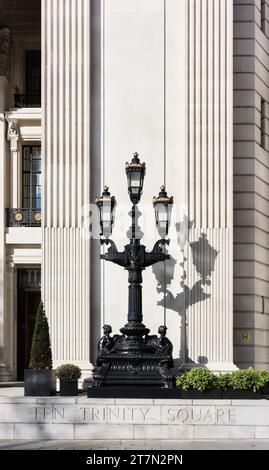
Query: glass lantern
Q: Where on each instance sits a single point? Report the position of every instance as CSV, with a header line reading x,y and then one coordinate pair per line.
x,y
106,205
163,207
135,172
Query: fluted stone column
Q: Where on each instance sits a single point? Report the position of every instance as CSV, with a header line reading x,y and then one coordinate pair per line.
x,y
209,260
66,188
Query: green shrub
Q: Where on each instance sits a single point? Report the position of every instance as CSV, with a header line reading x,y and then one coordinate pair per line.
x,y
264,377
246,379
41,357
242,379
223,382
197,379
68,372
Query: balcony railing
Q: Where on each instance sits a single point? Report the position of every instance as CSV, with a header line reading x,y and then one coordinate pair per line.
x,y
23,217
29,278
27,101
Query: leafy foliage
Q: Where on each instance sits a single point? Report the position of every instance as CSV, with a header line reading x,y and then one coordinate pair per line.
x,y
68,372
41,357
224,382
197,379
265,377
246,379
242,379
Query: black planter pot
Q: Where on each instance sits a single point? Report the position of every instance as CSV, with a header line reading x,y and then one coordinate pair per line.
x,y
242,395
133,392
265,390
195,394
68,389
39,383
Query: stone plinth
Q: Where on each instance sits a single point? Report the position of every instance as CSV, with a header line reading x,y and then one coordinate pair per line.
x,y
106,419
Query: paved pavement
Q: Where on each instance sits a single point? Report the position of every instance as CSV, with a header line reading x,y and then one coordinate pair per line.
x,y
11,391
258,444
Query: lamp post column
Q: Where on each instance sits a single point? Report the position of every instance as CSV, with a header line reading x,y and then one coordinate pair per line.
x,y
135,296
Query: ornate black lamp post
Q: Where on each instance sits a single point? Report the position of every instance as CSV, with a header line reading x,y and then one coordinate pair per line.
x,y
134,357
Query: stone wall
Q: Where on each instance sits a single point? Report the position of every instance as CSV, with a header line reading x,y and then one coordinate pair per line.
x,y
84,418
251,183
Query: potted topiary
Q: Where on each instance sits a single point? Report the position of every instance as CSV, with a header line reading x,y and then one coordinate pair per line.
x,y
68,375
40,379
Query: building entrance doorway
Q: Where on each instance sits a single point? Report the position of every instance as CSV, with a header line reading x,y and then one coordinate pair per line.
x,y
29,296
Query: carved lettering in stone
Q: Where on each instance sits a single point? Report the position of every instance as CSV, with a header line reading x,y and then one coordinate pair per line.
x,y
195,415
220,414
4,48
232,415
114,414
48,413
189,415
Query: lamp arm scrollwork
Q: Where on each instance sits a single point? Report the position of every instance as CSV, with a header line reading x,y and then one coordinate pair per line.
x,y
157,254
113,255
113,248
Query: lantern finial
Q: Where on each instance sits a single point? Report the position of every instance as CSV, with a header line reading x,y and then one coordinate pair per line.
x,y
135,171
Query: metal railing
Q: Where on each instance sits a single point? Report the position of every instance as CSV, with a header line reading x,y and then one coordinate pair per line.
x,y
23,217
27,101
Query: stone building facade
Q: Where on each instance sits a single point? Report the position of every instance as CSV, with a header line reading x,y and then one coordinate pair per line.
x,y
84,84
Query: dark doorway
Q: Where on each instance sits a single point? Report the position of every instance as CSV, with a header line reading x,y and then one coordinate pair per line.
x,y
29,296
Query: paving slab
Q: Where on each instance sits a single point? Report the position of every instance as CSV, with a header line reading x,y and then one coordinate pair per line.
x,y
150,444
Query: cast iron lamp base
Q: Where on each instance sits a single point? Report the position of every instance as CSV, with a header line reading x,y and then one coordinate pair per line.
x,y
133,359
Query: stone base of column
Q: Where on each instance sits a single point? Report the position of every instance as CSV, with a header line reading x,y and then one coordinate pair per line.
x,y
221,366
5,373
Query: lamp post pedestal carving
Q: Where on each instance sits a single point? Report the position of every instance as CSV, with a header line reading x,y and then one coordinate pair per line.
x,y
134,358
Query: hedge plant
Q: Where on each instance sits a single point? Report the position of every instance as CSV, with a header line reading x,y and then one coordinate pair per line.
x,y
41,357
224,382
197,379
242,379
246,379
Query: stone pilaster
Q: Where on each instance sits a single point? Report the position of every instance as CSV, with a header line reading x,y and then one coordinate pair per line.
x,y
4,370
66,185
209,260
11,317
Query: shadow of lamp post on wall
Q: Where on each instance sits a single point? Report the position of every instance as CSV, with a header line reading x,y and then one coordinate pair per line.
x,y
134,358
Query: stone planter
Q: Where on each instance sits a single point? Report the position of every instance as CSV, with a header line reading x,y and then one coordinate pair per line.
x,y
39,383
68,389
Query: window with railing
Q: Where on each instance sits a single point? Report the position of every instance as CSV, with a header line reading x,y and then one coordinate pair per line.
x,y
31,193
29,215
31,97
31,187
